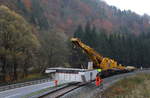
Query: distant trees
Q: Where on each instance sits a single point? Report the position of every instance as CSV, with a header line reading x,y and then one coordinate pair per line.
x,y
126,48
22,52
38,16
54,50
17,44
34,12
88,36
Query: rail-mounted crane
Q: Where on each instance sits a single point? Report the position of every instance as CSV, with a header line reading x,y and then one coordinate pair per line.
x,y
107,65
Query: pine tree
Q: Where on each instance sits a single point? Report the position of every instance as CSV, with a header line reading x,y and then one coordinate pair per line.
x,y
79,33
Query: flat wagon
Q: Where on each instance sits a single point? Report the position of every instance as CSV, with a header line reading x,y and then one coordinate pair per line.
x,y
69,75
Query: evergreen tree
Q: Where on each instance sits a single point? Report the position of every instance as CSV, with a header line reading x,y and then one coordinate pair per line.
x,y
79,33
88,33
125,48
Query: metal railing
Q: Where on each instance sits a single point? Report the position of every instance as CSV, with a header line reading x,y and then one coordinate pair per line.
x,y
18,85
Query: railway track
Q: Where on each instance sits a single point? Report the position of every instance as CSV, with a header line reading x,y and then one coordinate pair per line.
x,y
62,91
65,90
90,90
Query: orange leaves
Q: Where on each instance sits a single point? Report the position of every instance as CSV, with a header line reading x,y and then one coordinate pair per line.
x,y
97,23
45,1
86,9
69,21
27,3
107,25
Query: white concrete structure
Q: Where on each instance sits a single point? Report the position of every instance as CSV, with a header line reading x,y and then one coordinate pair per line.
x,y
68,75
90,65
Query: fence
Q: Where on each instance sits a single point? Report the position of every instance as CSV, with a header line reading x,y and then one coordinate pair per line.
x,y
18,85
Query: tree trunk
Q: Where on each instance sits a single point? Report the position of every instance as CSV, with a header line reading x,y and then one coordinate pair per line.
x,y
15,71
3,71
25,72
25,67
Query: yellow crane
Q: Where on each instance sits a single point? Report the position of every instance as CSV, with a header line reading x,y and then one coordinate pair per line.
x,y
98,60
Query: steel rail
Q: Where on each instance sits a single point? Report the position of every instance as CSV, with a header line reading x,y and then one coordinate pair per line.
x,y
62,91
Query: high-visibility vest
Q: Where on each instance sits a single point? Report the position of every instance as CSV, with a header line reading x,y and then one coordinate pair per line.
x,y
99,70
97,79
97,82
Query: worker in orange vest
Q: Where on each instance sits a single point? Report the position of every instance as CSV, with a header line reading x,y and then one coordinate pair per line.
x,y
98,81
98,78
56,82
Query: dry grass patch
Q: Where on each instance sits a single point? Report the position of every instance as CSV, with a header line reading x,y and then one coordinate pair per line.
x,y
137,86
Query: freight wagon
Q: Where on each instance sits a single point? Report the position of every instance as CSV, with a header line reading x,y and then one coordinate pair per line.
x,y
71,75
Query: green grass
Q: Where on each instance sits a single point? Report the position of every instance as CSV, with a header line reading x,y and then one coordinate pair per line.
x,y
137,86
32,77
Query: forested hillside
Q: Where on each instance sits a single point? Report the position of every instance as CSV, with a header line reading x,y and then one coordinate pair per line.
x,y
34,35
66,15
126,48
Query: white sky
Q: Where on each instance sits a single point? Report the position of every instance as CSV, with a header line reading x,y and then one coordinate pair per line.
x,y
138,6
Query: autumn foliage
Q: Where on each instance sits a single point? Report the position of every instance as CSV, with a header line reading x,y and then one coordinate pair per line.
x,y
68,14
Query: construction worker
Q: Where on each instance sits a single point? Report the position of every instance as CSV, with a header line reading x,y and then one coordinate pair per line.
x,y
99,70
56,82
98,78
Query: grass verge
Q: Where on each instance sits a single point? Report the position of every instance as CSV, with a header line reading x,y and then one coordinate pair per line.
x,y
137,86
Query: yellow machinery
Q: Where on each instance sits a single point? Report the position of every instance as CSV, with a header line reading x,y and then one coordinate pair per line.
x,y
98,60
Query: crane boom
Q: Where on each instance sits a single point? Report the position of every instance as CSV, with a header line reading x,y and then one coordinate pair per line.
x,y
98,60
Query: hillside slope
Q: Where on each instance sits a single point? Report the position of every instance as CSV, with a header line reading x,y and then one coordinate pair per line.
x,y
66,15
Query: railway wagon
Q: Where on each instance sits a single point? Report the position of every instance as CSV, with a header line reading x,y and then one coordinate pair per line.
x,y
71,75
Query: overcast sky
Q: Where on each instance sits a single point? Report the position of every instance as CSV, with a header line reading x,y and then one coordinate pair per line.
x,y
138,6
